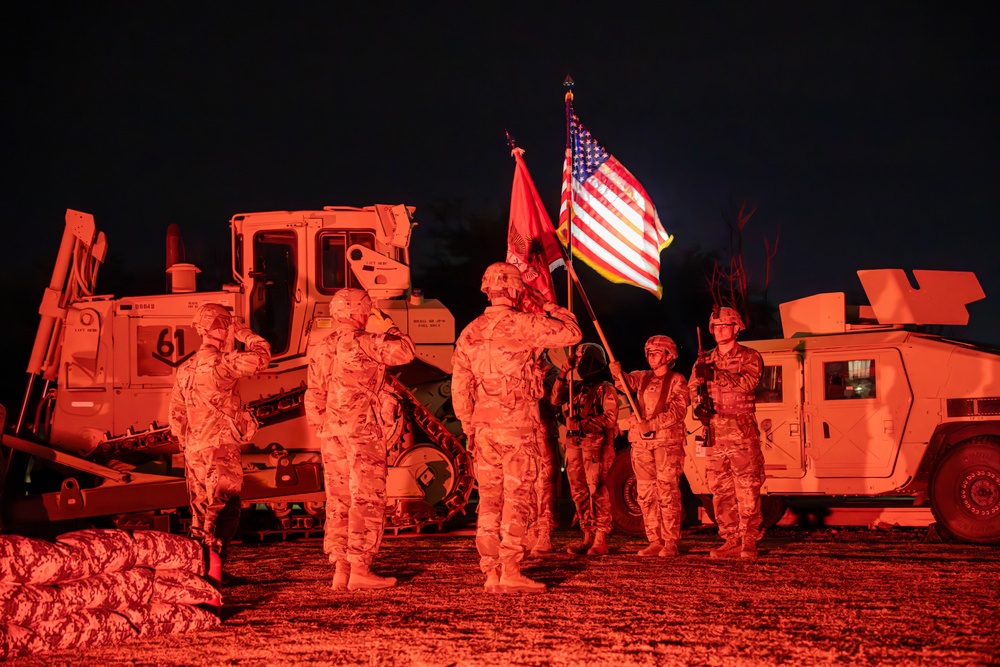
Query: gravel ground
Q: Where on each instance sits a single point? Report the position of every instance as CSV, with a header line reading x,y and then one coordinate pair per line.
x,y
814,597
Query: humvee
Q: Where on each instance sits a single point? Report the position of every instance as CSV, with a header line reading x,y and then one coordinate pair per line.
x,y
863,402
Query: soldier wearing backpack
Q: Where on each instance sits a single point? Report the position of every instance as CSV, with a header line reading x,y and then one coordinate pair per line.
x,y
496,392
344,397
210,423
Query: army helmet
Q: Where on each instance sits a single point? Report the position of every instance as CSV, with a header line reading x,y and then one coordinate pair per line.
x,y
350,301
726,316
590,359
500,276
211,316
664,344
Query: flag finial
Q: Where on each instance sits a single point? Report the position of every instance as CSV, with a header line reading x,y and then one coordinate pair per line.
x,y
568,85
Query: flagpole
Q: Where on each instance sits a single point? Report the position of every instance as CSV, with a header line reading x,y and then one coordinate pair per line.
x,y
568,85
568,256
571,277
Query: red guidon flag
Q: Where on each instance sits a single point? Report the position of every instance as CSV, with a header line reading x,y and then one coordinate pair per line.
x,y
531,240
615,228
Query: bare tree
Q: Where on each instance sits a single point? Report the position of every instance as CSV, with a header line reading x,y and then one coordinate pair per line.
x,y
730,281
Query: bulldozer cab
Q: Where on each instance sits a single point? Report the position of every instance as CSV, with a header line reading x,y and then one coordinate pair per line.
x,y
289,265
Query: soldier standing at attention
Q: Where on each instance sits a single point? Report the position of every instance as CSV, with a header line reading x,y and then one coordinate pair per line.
x,y
496,393
736,464
591,427
657,436
344,403
549,458
210,423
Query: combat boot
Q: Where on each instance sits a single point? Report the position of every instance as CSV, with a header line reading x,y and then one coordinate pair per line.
x,y
512,581
362,578
653,549
543,544
341,575
581,547
749,549
600,545
669,550
731,549
493,580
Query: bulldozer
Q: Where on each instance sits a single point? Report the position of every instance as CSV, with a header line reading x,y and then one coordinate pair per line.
x,y
91,445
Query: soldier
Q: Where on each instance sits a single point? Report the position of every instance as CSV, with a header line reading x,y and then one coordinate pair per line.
x,y
657,436
345,402
591,427
495,393
210,423
549,459
736,465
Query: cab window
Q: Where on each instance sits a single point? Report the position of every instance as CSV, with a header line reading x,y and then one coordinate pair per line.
x,y
845,380
272,296
334,269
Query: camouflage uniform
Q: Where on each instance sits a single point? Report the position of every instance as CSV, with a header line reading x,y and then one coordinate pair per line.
x,y
496,393
209,422
658,459
344,402
591,451
544,517
736,464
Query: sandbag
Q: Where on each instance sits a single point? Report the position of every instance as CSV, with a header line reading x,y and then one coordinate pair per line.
x,y
164,551
16,641
162,618
95,551
114,591
182,587
24,560
85,627
24,604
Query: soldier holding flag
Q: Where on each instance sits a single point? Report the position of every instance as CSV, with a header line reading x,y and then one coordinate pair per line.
x,y
657,434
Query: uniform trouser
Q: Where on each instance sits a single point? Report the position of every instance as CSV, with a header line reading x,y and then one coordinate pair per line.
x,y
506,461
214,481
544,519
587,464
658,485
735,474
354,472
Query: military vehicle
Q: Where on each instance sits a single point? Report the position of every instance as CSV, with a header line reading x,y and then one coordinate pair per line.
x,y
91,440
858,403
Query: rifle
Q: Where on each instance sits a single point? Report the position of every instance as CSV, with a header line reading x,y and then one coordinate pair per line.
x,y
704,407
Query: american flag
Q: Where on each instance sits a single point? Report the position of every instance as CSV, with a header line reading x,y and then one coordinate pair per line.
x,y
615,228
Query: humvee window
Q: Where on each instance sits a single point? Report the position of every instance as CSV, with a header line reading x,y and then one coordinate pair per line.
x,y
850,379
769,388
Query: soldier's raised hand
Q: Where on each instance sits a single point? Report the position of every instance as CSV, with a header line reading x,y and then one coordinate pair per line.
x,y
241,331
380,321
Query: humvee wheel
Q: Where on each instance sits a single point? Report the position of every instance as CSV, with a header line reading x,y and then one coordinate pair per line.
x,y
965,490
626,516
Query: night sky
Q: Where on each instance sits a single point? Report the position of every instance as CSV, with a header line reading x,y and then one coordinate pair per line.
x,y
865,133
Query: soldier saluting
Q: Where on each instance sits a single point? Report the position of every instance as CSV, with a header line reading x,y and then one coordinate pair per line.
x,y
495,393
736,464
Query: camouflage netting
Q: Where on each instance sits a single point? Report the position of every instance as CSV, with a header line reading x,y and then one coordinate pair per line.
x,y
98,587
